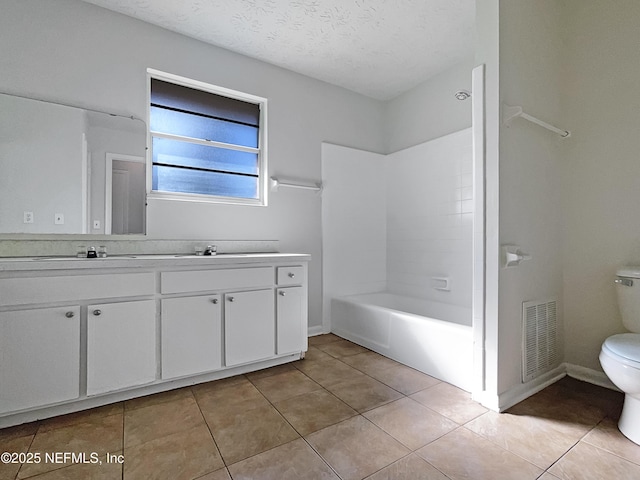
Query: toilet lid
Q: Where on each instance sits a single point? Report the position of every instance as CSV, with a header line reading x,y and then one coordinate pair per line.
x,y
625,345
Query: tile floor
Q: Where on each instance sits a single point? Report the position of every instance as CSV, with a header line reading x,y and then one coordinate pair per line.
x,y
342,413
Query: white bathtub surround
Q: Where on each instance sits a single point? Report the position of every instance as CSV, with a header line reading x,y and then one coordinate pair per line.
x,y
430,219
395,222
354,229
435,338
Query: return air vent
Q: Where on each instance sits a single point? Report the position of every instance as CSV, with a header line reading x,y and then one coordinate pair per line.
x,y
539,337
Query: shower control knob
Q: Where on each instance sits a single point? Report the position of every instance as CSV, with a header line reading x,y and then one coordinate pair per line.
x,y
97,312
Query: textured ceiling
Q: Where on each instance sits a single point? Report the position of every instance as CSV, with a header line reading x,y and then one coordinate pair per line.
x,y
379,48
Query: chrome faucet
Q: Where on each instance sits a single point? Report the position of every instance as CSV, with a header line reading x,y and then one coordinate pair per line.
x,y
211,250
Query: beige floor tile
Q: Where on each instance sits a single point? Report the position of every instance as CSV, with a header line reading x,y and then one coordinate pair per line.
x,y
84,471
313,411
410,423
537,440
267,372
370,362
226,400
586,462
364,393
13,444
341,348
222,474
291,461
356,448
572,410
99,435
462,454
313,354
405,379
184,455
329,372
285,385
208,387
157,398
248,433
607,436
411,467
24,430
451,402
142,425
547,476
323,339
81,417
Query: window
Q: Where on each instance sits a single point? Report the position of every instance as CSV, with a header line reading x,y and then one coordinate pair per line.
x,y
207,143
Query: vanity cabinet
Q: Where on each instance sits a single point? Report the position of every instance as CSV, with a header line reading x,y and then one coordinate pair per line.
x,y
121,345
290,306
191,335
40,351
249,322
82,333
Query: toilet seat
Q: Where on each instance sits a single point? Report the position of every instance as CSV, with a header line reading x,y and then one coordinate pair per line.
x,y
624,348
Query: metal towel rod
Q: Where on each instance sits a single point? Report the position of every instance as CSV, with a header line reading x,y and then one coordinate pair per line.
x,y
276,184
509,113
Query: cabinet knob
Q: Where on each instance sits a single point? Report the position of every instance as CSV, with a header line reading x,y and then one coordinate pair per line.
x,y
283,293
97,312
69,314
214,301
230,299
291,274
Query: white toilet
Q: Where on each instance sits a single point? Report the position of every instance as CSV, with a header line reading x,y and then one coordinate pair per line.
x,y
620,354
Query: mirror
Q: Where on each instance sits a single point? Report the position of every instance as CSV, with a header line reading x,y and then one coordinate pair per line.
x,y
68,170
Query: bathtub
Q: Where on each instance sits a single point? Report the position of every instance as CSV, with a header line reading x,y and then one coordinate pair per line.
x,y
435,338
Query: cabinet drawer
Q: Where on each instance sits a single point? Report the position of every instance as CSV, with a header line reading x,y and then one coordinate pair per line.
x,y
290,275
207,280
23,291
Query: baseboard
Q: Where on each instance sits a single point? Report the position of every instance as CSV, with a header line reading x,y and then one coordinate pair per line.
x,y
505,400
590,376
525,390
317,330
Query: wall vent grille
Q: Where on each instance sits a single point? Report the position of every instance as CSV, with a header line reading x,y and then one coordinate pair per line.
x,y
539,337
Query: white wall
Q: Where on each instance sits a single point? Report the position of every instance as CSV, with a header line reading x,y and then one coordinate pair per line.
x,y
430,219
531,59
429,110
601,168
78,53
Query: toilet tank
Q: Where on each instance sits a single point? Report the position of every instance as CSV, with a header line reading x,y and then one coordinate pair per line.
x,y
628,290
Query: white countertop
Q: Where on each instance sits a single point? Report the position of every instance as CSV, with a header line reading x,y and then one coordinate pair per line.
x,y
141,261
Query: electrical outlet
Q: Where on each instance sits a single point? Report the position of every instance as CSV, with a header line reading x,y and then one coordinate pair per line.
x,y
28,217
58,219
96,224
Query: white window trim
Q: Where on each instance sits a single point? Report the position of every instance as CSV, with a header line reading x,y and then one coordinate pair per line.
x,y
262,143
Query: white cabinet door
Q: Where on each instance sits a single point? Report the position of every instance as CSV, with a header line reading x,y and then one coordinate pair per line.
x,y
289,320
249,321
121,345
40,352
191,335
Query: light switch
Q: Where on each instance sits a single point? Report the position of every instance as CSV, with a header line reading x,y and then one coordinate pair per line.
x,y
96,224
